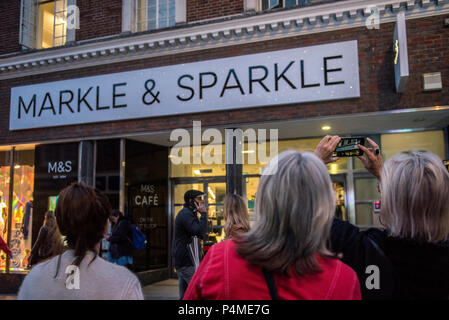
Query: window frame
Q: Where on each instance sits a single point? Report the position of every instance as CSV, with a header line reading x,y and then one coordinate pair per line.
x,y
29,24
281,4
137,22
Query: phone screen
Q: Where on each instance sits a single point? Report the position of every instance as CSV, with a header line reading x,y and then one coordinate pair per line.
x,y
348,147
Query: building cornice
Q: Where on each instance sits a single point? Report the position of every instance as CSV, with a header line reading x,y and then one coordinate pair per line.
x,y
260,27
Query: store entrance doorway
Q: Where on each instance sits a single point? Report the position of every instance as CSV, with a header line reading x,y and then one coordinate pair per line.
x,y
215,190
338,183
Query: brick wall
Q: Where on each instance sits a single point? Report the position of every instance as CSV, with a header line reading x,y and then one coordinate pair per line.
x,y
207,9
9,26
427,40
99,18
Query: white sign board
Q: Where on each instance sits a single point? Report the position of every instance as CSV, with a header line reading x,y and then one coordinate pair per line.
x,y
316,73
401,70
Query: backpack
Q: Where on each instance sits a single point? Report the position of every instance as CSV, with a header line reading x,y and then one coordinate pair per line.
x,y
139,238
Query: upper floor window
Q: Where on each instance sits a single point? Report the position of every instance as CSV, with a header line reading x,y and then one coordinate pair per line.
x,y
43,23
155,14
272,4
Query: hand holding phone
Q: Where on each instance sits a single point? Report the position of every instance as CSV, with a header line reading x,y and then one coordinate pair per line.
x,y
199,206
325,149
373,161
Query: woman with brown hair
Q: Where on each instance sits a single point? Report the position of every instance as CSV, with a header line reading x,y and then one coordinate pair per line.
x,y
235,215
49,241
82,216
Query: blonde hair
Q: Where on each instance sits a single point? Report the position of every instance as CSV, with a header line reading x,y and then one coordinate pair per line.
x,y
236,215
295,204
415,190
53,245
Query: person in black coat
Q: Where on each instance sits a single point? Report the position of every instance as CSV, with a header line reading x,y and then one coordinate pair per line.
x,y
121,243
409,259
188,225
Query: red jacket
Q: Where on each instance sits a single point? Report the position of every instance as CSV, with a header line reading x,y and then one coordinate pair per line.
x,y
4,246
224,275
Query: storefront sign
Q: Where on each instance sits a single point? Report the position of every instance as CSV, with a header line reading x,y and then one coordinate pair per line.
x,y
147,197
316,73
59,169
401,70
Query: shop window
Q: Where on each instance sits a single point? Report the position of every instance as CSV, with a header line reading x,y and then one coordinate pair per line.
x,y
16,196
195,162
43,23
56,166
273,4
22,208
146,199
432,141
250,191
107,171
366,189
154,14
363,215
254,164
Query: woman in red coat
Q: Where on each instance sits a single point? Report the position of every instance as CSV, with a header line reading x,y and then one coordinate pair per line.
x,y
284,256
4,247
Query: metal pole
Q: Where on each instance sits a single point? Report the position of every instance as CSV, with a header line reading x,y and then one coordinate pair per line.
x,y
10,199
122,175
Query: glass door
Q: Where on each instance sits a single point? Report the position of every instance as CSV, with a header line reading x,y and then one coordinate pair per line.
x,y
338,182
215,190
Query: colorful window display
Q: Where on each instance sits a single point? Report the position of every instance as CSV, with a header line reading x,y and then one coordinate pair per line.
x,y
4,201
21,185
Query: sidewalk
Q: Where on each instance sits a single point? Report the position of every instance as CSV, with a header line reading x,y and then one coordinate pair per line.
x,y
163,290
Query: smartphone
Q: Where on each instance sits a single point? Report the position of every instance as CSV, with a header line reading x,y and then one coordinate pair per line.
x,y
446,164
192,205
348,147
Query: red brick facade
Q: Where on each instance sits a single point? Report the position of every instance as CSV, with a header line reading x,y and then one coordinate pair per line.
x,y
427,48
10,26
208,9
99,18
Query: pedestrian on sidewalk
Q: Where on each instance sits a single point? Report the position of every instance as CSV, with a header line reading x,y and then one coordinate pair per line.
x,y
121,244
235,214
411,254
49,241
284,255
82,214
187,225
4,247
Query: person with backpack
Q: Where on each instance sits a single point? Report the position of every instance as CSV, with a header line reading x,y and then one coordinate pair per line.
x,y
121,240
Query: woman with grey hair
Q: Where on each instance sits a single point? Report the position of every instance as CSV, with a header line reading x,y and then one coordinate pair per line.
x,y
284,255
409,259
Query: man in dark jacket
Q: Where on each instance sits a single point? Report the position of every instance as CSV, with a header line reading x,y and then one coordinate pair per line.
x,y
187,225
